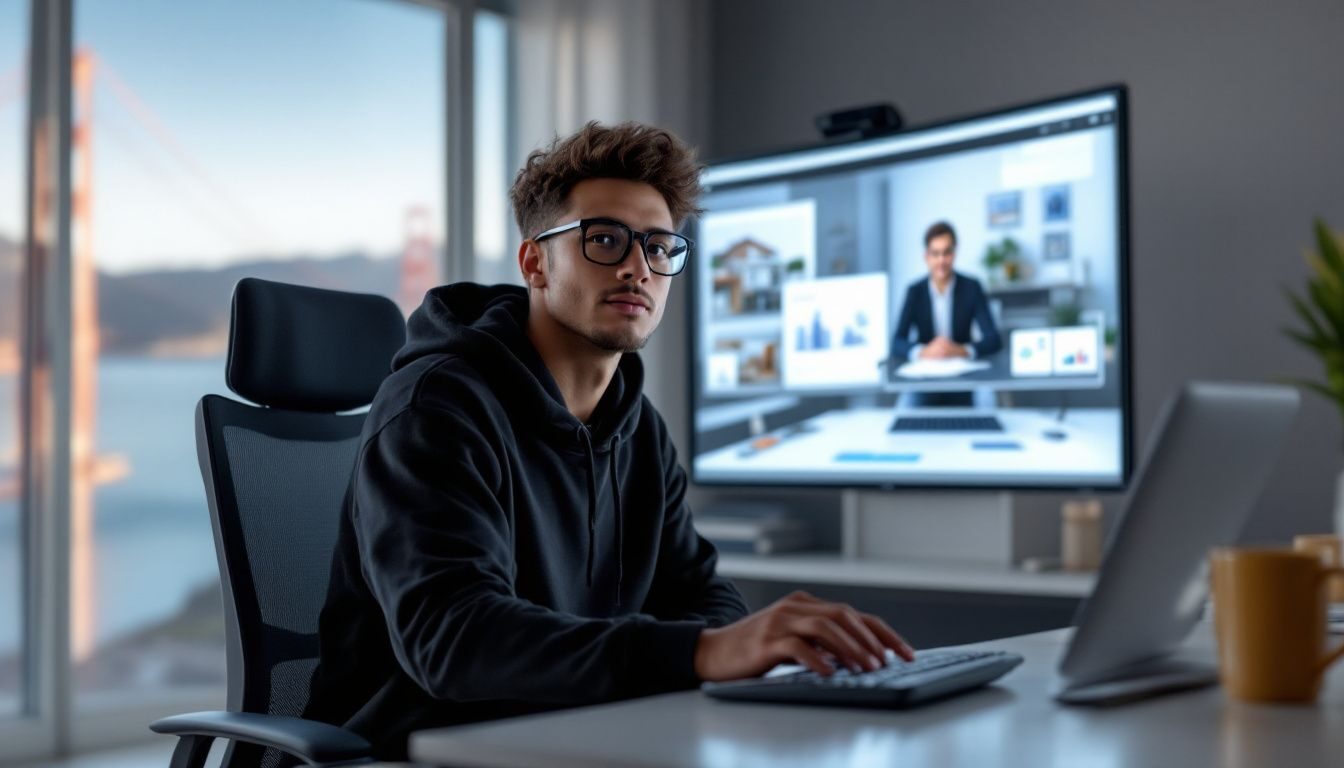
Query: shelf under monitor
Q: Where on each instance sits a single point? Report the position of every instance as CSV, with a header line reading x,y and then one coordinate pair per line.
x,y
933,575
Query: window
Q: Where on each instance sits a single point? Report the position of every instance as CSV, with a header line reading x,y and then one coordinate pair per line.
x,y
493,228
296,140
13,171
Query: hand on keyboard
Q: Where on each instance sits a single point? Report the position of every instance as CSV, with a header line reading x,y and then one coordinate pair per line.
x,y
799,628
901,683
895,669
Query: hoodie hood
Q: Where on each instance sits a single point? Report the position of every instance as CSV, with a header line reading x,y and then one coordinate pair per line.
x,y
488,326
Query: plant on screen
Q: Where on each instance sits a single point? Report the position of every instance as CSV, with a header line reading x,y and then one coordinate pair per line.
x,y
1002,259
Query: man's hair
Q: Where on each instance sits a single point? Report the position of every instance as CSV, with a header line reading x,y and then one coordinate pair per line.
x,y
630,151
938,229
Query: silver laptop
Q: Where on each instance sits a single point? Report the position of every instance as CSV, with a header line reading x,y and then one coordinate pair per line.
x,y
1206,466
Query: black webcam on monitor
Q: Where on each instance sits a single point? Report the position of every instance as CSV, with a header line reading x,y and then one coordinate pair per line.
x,y
860,122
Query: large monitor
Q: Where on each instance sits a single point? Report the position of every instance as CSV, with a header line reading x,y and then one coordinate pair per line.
x,y
941,307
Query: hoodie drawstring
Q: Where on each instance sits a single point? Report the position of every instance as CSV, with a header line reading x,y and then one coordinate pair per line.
x,y
592,500
620,540
592,509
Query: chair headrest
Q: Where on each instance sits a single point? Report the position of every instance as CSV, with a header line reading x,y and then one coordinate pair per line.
x,y
310,349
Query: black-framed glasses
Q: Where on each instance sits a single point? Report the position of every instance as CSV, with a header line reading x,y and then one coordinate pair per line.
x,y
607,242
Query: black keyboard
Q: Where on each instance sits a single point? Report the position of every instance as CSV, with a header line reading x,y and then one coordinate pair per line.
x,y
946,424
932,675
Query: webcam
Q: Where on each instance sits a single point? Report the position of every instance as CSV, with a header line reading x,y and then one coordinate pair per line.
x,y
860,122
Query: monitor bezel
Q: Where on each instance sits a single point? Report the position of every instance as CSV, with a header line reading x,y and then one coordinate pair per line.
x,y
1121,93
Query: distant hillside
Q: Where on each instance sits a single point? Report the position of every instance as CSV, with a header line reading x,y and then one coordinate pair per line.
x,y
186,311
11,258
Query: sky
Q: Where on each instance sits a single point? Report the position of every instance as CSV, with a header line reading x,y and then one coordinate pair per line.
x,y
226,130
13,31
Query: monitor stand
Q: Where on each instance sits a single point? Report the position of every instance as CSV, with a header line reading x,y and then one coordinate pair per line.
x,y
990,527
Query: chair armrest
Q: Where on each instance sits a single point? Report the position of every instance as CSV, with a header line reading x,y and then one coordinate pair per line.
x,y
313,741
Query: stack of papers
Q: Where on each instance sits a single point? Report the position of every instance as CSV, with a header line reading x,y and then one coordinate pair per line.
x,y
940,369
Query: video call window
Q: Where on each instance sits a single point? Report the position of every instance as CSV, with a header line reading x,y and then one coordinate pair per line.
x,y
938,307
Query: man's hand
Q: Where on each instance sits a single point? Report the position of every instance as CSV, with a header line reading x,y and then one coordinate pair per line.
x,y
942,348
799,628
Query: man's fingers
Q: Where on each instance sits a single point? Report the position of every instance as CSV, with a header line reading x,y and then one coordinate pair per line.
x,y
831,637
802,651
849,621
889,637
870,631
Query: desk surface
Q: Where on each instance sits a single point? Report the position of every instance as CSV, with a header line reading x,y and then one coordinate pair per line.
x,y
1013,723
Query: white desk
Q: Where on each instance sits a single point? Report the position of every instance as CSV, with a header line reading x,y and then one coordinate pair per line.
x,y
1013,723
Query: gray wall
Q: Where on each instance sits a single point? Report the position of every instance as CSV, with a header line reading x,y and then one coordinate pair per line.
x,y
1237,141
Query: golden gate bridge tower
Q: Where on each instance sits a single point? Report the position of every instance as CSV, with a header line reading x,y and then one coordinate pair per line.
x,y
419,269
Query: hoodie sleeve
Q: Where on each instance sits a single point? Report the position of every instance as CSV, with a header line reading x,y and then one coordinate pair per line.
x,y
686,584
435,550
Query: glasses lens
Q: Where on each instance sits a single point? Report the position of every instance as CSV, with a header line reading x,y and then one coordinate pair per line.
x,y
667,253
605,243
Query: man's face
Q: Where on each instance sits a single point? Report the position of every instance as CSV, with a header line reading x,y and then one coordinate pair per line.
x,y
938,257
615,308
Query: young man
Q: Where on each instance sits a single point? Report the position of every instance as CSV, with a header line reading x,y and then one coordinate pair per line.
x,y
516,536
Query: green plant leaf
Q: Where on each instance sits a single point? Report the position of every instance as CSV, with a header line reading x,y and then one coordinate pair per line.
x,y
1314,343
1321,308
1329,247
1329,280
1330,306
1300,306
1321,389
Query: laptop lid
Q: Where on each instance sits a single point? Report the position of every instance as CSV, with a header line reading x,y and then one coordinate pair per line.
x,y
1204,470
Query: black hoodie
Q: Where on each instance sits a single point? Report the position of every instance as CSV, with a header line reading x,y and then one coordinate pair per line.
x,y
496,555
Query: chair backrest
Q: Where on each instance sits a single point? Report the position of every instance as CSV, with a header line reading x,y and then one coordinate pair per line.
x,y
276,475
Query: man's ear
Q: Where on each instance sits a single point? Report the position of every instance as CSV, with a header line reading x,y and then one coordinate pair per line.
x,y
532,264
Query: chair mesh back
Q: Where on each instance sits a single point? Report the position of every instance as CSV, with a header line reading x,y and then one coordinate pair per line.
x,y
289,496
280,479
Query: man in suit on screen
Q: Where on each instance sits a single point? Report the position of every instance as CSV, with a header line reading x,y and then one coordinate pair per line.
x,y
939,311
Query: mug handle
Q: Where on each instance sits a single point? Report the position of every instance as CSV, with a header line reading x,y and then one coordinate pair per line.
x,y
1327,574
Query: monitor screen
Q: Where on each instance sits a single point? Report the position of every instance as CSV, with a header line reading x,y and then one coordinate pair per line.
x,y
945,306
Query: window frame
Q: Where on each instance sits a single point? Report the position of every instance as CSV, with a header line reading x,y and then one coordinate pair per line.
x,y
512,158
36,732
47,727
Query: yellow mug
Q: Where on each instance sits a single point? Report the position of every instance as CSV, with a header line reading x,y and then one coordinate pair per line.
x,y
1269,610
1330,548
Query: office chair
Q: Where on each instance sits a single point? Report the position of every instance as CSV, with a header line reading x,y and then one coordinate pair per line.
x,y
275,477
